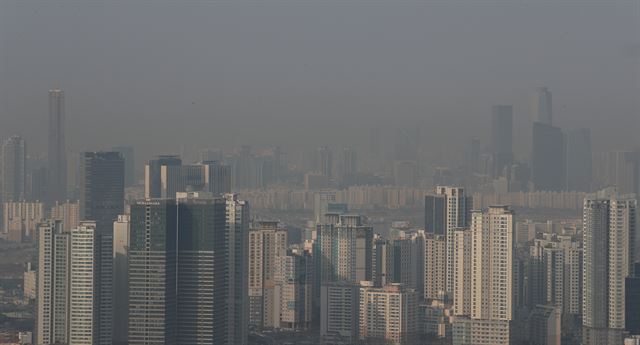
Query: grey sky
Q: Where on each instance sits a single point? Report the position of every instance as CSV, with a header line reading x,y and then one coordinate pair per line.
x,y
223,73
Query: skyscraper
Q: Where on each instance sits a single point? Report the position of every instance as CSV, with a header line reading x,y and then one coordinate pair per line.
x,y
542,110
435,268
102,188
121,234
501,138
152,273
57,158
14,169
324,161
609,223
548,158
238,233
294,288
579,160
456,214
153,175
623,171
166,176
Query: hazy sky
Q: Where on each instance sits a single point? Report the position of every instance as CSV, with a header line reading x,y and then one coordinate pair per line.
x,y
224,73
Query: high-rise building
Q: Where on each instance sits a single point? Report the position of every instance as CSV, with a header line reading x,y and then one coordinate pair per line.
x,y
388,314
57,157
203,270
102,188
52,284
501,138
128,154
345,245
545,325
14,169
609,234
579,160
237,215
348,166
267,244
462,272
294,290
491,266
542,106
69,308
121,234
456,214
548,158
435,259
152,273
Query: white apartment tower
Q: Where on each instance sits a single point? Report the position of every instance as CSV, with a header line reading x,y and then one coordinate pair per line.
x,y
609,223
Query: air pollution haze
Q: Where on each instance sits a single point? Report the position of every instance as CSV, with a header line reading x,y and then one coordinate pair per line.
x,y
165,75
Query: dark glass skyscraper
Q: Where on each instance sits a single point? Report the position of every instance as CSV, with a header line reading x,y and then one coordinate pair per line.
x,y
152,273
101,188
579,160
57,155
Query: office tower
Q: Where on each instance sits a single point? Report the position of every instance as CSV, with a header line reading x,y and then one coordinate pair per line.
x,y
379,255
345,245
294,287
267,244
609,226
152,273
127,153
57,158
434,266
339,306
20,220
37,183
542,110
579,160
548,158
462,272
324,161
237,215
623,171
68,213
388,314
52,284
501,138
455,213
203,270
14,169
102,188
121,235
153,175
545,325
491,276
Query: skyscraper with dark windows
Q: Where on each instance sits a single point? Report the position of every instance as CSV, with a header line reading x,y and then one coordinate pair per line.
x,y
57,150
152,273
542,106
153,174
127,153
501,138
101,188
